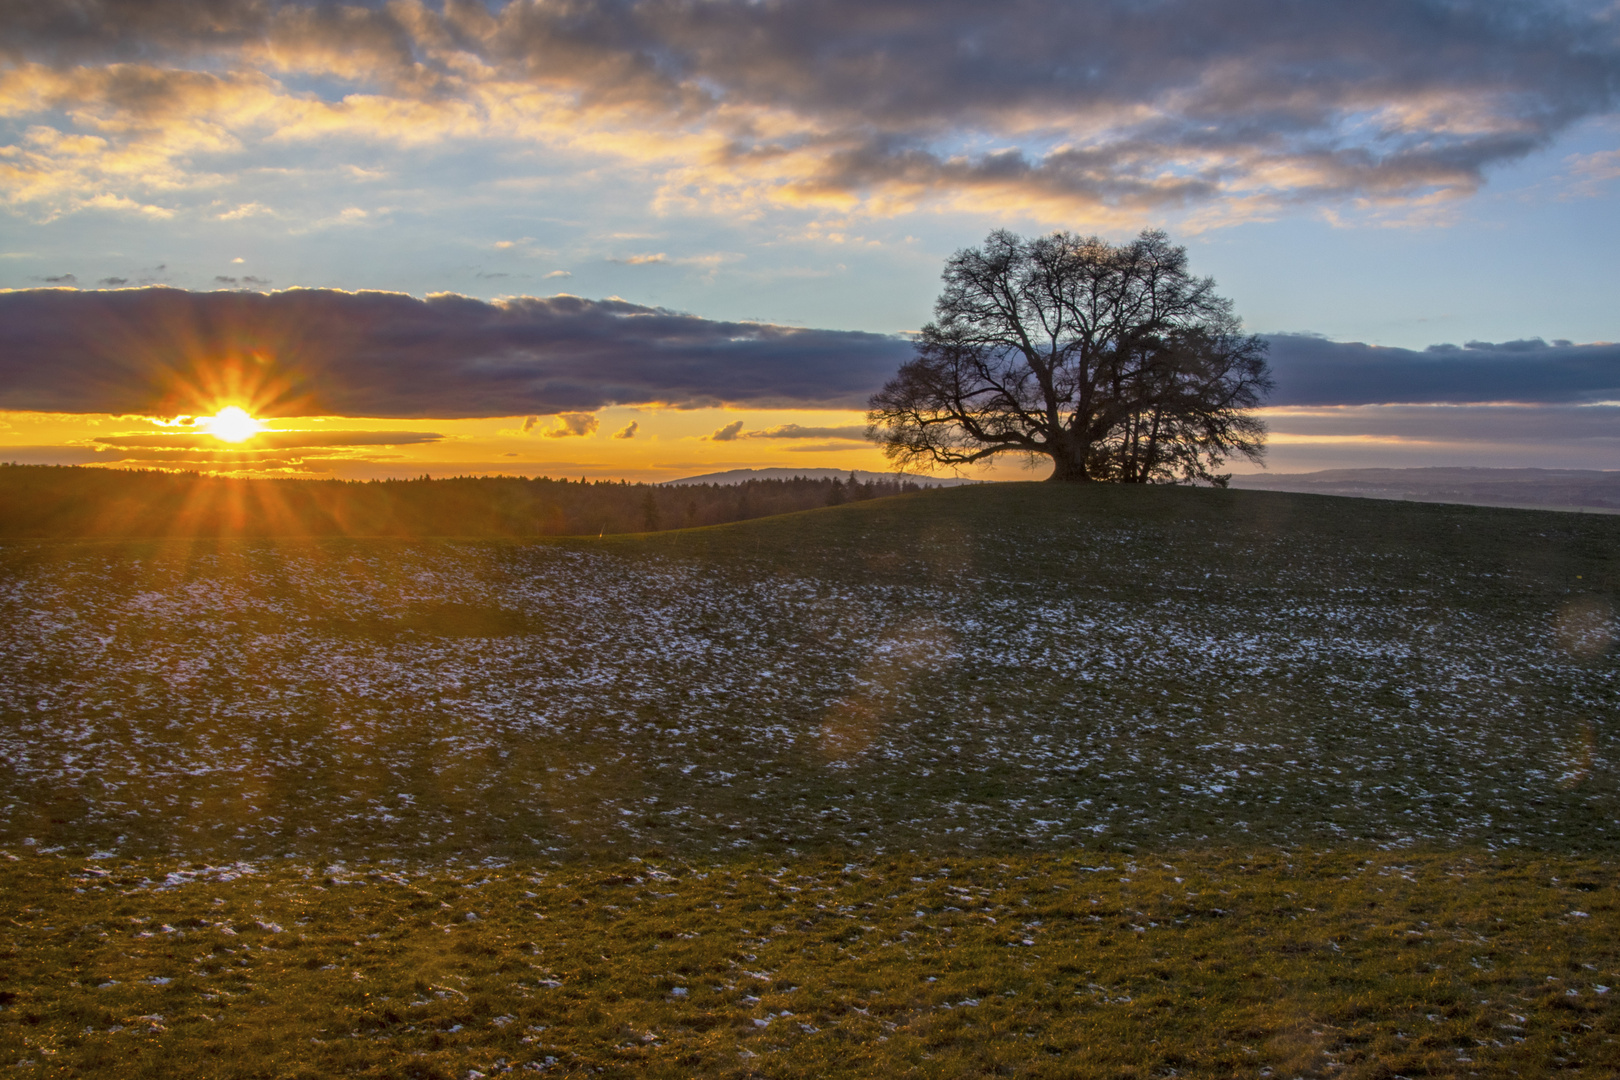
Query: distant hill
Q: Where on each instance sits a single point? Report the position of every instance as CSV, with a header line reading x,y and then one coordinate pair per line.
x,y
739,476
1551,489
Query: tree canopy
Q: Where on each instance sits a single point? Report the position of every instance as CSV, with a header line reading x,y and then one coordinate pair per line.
x,y
1112,360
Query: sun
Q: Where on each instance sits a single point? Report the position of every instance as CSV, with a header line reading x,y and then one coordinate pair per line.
x,y
231,424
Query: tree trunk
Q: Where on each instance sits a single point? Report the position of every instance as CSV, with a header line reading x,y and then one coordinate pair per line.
x,y
1068,468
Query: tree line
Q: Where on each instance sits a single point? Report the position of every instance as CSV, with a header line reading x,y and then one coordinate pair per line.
x,y
44,501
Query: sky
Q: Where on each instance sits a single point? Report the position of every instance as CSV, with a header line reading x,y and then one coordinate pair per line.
x,y
651,239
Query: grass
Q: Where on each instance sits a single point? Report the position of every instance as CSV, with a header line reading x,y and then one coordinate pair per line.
x,y
1325,963
1293,700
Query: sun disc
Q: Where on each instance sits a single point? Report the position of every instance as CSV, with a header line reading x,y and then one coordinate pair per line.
x,y
232,424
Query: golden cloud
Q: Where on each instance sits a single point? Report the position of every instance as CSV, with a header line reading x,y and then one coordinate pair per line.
x,y
572,425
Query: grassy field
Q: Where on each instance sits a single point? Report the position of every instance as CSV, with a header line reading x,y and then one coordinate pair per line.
x,y
734,733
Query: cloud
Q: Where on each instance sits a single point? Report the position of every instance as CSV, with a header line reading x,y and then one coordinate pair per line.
x,y
270,440
628,431
1314,371
1081,113
159,351
300,451
162,352
1406,436
710,262
50,455
1508,403
795,431
571,424
246,210
1590,175
559,274
1499,425
316,459
566,425
822,448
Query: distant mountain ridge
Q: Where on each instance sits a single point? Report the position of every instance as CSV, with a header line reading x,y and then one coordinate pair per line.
x,y
739,476
1548,489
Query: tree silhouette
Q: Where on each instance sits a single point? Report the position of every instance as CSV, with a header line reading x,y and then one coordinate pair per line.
x,y
1111,360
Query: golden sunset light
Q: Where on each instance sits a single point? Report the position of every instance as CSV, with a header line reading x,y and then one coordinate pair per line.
x,y
232,424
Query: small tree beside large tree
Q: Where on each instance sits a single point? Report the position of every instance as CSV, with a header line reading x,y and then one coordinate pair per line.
x,y
1112,360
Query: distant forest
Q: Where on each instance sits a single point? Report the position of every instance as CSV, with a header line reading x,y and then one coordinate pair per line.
x,y
47,501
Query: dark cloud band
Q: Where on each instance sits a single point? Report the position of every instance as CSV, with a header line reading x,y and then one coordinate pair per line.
x,y
1314,371
162,351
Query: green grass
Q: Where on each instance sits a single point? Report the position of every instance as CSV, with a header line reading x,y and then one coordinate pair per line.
x,y
1010,682
1339,963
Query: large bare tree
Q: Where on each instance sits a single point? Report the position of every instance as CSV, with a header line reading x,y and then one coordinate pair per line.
x,y
1112,360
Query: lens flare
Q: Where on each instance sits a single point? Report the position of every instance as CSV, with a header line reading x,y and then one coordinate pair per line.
x,y
232,424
